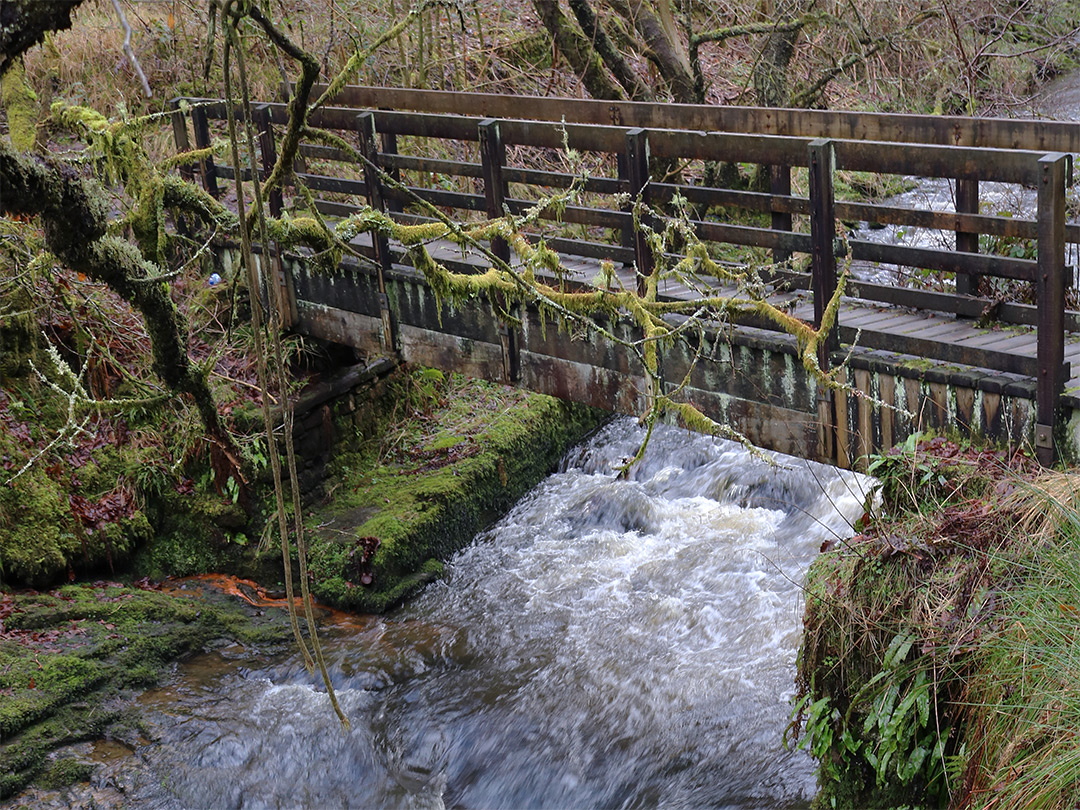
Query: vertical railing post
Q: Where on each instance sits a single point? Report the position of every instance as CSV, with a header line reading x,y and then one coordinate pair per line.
x,y
365,125
202,141
180,137
780,185
967,202
1050,288
286,293
832,409
268,155
823,239
637,169
389,147
493,158
626,235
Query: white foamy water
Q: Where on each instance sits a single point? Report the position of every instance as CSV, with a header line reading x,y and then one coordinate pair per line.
x,y
610,643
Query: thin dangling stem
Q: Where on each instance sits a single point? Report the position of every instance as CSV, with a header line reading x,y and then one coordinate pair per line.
x,y
276,306
260,352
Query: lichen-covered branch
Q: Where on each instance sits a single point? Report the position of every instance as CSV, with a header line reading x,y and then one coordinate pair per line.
x,y
74,217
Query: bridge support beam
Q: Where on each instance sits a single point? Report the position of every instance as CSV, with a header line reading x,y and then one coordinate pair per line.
x,y
365,125
207,168
822,163
1050,287
780,185
496,190
493,158
284,294
967,202
180,137
637,165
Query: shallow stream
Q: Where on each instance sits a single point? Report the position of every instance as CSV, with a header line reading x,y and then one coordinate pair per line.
x,y
610,643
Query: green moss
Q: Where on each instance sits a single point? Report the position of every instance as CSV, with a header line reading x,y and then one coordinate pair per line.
x,y
18,331
65,772
398,509
37,531
193,536
20,105
42,540
67,654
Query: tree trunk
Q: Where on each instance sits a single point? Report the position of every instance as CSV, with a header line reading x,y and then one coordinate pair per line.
x,y
578,51
771,71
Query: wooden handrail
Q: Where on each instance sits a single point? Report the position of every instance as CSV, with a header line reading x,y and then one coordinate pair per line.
x,y
1004,133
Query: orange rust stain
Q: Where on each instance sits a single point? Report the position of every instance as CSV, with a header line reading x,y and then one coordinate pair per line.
x,y
256,596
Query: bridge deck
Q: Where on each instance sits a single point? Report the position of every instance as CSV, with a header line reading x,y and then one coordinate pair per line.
x,y
860,321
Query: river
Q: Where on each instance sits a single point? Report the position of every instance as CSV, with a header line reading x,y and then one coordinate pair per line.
x,y
609,643
1059,100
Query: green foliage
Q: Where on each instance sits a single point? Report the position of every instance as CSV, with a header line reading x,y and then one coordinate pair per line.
x,y
886,730
925,474
909,481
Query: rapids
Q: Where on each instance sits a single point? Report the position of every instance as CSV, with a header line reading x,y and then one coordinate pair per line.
x,y
609,643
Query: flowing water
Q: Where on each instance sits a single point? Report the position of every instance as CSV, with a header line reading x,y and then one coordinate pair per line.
x,y
610,643
1059,100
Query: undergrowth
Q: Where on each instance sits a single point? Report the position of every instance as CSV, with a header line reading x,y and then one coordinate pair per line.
x,y
939,663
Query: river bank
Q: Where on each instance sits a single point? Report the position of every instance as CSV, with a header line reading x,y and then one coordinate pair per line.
x,y
419,466
937,661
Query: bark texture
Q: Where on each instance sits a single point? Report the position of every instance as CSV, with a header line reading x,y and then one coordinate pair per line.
x,y
771,82
578,51
24,23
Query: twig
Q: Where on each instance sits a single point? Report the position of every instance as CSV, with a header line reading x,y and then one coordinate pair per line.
x,y
128,51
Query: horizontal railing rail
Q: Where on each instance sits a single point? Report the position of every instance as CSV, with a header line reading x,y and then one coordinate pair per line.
x,y
1005,133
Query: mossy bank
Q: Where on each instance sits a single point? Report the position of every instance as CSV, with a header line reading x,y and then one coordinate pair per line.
x,y
938,663
414,476
71,658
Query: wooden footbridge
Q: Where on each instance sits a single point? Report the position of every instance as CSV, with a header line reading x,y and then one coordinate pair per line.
x,y
952,355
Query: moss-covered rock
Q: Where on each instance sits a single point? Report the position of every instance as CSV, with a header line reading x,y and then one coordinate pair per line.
x,y
65,656
59,518
404,498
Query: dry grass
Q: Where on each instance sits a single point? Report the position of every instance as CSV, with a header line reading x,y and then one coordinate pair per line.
x,y
499,46
1047,507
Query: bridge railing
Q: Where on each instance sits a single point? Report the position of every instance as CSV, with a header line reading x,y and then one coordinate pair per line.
x,y
801,223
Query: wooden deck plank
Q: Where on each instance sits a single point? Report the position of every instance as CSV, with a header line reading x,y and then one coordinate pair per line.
x,y
1004,341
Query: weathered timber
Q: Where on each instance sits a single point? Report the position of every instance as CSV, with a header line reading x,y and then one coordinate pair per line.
x,y
365,125
946,260
822,238
180,136
637,164
1050,285
967,241
207,168
1008,165
1042,135
938,371
496,190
